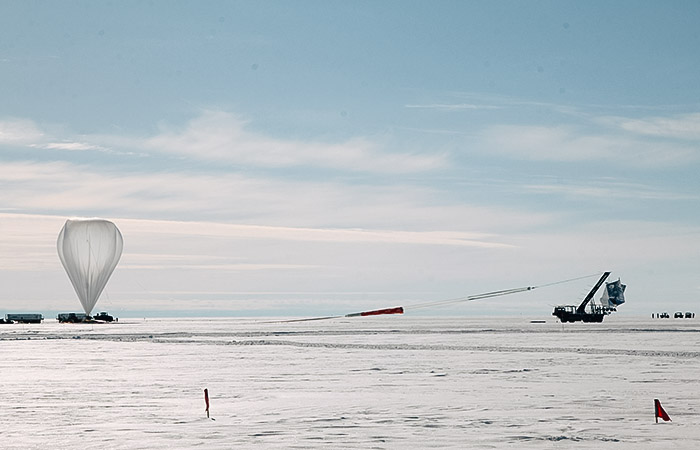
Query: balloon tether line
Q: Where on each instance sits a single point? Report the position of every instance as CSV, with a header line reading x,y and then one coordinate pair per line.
x,y
400,310
493,294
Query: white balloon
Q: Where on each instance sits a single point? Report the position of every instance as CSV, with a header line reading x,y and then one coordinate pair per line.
x,y
89,250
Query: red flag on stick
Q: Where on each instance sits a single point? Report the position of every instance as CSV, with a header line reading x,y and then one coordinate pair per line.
x,y
206,401
660,412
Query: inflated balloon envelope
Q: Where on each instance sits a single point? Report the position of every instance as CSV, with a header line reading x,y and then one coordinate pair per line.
x,y
89,250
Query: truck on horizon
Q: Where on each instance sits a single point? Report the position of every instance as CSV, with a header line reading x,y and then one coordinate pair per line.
x,y
23,318
613,296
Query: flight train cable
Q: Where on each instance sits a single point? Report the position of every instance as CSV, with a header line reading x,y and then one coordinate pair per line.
x,y
401,309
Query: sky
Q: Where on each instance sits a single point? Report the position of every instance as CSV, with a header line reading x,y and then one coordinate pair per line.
x,y
304,158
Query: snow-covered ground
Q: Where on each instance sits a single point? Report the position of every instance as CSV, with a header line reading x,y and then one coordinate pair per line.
x,y
380,382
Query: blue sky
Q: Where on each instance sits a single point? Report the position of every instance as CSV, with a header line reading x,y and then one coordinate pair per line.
x,y
313,157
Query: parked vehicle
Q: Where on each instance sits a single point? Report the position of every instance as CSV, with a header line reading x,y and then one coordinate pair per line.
x,y
24,318
103,316
588,311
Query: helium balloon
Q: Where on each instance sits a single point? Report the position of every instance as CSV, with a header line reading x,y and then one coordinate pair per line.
x,y
89,250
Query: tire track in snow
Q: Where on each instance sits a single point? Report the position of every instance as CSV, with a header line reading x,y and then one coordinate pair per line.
x,y
476,348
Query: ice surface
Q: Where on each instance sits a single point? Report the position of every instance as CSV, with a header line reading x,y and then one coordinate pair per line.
x,y
380,382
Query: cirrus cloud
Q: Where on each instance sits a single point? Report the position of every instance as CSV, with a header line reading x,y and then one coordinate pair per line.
x,y
684,126
574,144
221,136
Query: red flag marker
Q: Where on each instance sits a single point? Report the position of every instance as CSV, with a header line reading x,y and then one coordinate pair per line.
x,y
660,412
206,401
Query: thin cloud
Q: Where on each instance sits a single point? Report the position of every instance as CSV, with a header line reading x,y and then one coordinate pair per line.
x,y
607,190
64,188
451,106
685,126
29,241
220,136
573,144
219,267
71,146
26,133
19,131
238,231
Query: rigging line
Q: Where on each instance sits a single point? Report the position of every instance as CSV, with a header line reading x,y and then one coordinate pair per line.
x,y
494,293
484,295
304,320
569,280
471,297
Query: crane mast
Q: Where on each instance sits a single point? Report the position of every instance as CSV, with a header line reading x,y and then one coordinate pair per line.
x,y
582,307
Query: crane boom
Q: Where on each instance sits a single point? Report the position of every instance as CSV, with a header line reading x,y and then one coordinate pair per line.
x,y
581,308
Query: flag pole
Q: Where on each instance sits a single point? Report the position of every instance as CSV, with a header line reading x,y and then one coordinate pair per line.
x,y
206,401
